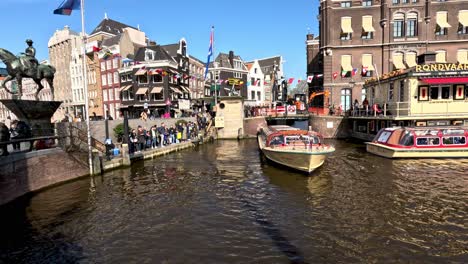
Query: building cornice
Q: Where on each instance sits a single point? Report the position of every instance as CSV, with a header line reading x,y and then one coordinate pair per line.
x,y
395,43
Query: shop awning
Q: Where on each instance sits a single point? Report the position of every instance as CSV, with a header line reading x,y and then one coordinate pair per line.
x,y
141,71
346,25
125,88
367,62
142,90
441,20
346,63
463,17
176,90
410,59
156,90
447,80
462,56
398,61
367,24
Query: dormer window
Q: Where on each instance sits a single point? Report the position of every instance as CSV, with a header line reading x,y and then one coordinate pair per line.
x,y
150,55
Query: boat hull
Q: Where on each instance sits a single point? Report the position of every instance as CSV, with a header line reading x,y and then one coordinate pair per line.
x,y
391,152
306,162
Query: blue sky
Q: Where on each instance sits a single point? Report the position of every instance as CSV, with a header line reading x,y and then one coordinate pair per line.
x,y
252,29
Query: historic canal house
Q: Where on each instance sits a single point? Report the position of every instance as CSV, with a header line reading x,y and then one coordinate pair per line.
x,y
428,94
155,82
228,75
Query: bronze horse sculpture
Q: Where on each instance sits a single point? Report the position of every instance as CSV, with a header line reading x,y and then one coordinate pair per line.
x,y
16,69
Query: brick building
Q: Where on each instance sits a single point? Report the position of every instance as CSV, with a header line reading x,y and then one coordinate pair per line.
x,y
379,36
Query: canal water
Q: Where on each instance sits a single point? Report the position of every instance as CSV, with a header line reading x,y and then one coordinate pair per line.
x,y
223,203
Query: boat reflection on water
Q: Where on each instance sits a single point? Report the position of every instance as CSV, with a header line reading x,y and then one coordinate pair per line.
x,y
318,184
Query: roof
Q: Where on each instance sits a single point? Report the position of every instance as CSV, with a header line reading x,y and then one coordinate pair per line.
x,y
160,53
249,65
196,59
3,72
223,60
111,41
269,61
171,49
110,26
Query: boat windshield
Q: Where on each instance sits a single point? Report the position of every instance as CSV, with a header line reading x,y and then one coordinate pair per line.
x,y
302,139
407,139
277,140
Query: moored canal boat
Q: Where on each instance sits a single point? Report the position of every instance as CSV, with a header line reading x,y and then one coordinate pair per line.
x,y
292,147
420,142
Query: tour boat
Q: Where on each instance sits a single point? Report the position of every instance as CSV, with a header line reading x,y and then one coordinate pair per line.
x,y
420,142
292,147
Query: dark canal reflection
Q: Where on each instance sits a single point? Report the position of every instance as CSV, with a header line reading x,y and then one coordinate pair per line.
x,y
223,203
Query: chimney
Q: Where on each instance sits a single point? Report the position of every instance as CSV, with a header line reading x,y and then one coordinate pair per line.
x,y
310,36
231,58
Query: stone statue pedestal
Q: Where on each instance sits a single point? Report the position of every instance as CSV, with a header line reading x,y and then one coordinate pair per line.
x,y
36,114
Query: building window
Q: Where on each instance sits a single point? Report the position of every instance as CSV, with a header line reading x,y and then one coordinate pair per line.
x,y
104,79
109,64
109,78
157,78
111,95
445,92
367,28
346,28
115,63
142,79
345,4
441,31
395,2
116,77
402,91
252,95
117,94
345,36
259,96
390,91
103,65
398,28
104,95
366,2
412,25
363,94
367,35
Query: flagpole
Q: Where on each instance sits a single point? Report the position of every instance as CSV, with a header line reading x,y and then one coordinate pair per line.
x,y
85,79
214,59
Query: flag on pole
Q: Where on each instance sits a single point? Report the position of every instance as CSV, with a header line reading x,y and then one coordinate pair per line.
x,y
364,70
67,6
335,74
290,80
210,51
310,78
355,70
343,74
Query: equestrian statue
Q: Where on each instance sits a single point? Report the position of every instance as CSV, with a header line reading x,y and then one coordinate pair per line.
x,y
25,65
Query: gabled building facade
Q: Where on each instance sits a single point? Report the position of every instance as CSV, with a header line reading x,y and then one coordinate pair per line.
x,y
255,85
155,82
228,75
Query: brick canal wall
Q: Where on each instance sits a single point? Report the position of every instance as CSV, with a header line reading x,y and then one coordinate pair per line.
x,y
331,126
22,173
251,125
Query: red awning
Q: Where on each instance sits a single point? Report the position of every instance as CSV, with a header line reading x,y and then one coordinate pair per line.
x,y
447,80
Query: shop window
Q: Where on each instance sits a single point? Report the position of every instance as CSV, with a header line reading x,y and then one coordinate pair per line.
x,y
434,93
142,79
445,92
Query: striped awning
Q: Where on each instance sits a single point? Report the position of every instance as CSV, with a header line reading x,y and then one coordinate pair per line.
x,y
463,17
367,24
367,62
441,20
156,90
410,59
125,88
176,90
346,25
398,60
141,71
346,63
142,90
441,56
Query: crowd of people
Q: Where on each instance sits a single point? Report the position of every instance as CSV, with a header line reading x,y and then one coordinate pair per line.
x,y
159,136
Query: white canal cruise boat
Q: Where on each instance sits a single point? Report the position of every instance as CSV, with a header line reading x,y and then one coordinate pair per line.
x,y
292,147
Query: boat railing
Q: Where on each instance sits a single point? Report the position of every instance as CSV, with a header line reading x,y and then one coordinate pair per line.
x,y
379,109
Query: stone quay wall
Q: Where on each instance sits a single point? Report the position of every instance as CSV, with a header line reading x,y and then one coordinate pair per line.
x,y
331,126
23,173
251,125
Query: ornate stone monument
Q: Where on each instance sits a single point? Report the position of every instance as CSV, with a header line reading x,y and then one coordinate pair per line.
x,y
36,113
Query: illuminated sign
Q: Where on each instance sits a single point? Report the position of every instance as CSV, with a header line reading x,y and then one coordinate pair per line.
x,y
441,67
234,81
